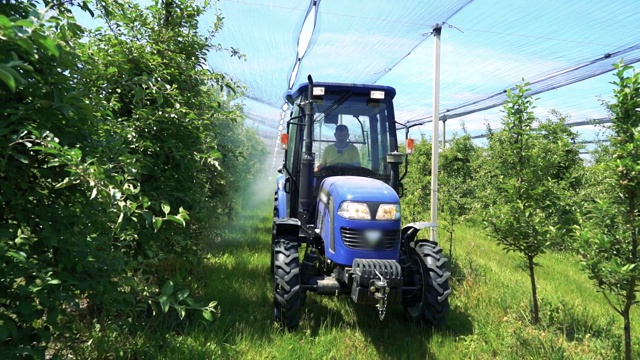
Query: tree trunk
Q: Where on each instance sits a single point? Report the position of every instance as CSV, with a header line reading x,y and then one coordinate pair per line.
x,y
451,244
534,292
630,297
627,333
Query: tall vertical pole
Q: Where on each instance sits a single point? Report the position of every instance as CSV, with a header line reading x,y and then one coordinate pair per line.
x,y
444,132
434,139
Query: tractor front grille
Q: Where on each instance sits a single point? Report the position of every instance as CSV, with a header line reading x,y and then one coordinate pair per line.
x,y
354,239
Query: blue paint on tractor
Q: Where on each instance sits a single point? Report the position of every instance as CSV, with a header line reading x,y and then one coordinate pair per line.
x,y
333,227
358,188
281,197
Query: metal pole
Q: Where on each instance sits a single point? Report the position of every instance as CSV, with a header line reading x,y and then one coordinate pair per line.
x,y
444,133
434,140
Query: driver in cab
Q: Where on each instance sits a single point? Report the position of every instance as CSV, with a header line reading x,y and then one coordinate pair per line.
x,y
342,152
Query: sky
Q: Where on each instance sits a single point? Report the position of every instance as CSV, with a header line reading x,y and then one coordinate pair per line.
x,y
487,46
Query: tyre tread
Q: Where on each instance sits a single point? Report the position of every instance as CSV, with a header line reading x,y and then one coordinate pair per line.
x,y
287,298
435,303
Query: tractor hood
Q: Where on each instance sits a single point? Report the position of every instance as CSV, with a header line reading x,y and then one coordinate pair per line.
x,y
346,239
356,188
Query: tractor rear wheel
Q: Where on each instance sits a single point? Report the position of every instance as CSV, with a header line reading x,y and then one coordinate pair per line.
x,y
430,303
288,294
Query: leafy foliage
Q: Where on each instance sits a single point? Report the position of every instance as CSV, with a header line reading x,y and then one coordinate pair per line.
x,y
530,169
610,222
116,162
457,178
417,183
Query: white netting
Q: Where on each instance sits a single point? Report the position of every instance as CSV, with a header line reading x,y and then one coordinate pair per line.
x,y
487,47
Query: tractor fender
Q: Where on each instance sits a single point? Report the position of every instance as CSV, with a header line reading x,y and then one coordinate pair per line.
x,y
410,231
287,227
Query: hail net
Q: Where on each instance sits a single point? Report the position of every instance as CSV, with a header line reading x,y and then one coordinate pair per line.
x,y
564,49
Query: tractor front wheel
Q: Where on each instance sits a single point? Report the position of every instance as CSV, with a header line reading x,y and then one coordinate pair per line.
x,y
288,294
427,272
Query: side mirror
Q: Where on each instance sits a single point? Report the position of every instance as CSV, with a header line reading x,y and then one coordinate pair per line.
x,y
280,169
394,159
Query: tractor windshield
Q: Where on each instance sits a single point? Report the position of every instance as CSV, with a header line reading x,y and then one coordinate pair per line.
x,y
367,121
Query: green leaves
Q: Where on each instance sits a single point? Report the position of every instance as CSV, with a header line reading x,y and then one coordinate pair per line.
x,y
116,162
607,235
181,302
177,219
157,223
531,206
46,43
536,166
415,202
166,208
164,303
9,74
207,315
7,77
182,294
181,218
30,35
17,255
167,289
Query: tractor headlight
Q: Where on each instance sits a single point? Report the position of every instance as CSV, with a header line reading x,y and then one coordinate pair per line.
x,y
354,211
388,212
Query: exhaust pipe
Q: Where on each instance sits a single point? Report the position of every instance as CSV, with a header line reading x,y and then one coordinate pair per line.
x,y
308,162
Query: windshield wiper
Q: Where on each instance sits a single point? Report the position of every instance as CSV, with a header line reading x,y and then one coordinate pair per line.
x,y
341,100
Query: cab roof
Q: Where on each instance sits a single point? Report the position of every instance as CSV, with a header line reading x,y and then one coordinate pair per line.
x,y
389,92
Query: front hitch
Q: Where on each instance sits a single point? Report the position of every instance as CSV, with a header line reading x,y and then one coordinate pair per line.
x,y
379,289
376,282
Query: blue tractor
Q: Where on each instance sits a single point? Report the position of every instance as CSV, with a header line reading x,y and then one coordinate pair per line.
x,y
337,226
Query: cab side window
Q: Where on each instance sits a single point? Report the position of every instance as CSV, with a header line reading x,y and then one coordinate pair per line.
x,y
293,132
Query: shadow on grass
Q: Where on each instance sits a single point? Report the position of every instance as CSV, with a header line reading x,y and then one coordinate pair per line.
x,y
397,337
241,287
317,316
394,336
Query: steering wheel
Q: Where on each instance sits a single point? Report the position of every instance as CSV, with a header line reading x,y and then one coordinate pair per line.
x,y
344,169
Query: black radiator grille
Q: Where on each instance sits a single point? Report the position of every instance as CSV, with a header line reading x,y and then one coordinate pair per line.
x,y
354,239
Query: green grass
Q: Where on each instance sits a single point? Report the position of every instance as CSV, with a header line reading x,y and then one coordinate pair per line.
x,y
489,315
